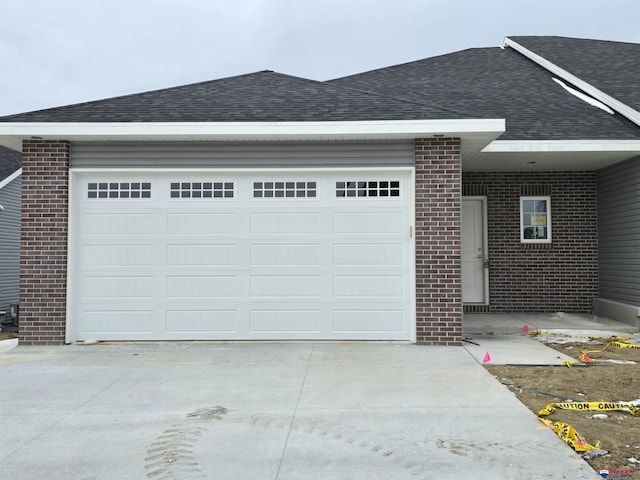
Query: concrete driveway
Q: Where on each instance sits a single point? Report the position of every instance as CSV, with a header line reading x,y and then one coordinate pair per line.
x,y
266,411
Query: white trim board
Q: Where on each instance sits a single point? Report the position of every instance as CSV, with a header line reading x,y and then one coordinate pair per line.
x,y
12,133
10,178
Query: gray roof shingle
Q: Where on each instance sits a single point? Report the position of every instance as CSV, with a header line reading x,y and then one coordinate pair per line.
x,y
498,83
259,97
10,161
612,67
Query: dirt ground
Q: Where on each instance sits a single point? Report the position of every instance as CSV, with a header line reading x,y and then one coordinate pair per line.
x,y
7,335
604,381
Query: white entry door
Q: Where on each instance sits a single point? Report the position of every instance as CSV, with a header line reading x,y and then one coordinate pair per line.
x,y
242,255
473,251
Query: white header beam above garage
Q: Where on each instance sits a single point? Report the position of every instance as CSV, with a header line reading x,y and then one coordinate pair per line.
x,y
476,133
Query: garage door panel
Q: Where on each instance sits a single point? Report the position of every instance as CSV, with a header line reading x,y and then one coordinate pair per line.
x,y
124,256
367,320
373,255
242,267
121,320
369,223
117,287
285,255
189,255
202,286
202,223
118,223
285,286
375,286
294,223
284,321
203,321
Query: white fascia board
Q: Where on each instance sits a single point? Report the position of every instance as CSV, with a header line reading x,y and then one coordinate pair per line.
x,y
507,146
622,108
10,178
250,131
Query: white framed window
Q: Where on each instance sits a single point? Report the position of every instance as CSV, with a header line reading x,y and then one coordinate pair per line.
x,y
118,190
202,189
535,219
372,188
284,189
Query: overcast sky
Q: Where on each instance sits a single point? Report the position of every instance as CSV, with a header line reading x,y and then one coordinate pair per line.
x,y
59,52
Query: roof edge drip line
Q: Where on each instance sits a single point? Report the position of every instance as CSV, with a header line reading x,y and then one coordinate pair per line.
x,y
616,105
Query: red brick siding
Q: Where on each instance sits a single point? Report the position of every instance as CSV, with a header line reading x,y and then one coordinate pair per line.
x,y
43,251
438,279
562,276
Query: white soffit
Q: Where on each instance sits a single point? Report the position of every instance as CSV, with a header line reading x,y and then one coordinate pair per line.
x,y
622,108
550,155
481,131
541,161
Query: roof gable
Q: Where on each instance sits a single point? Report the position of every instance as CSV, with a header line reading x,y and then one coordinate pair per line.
x,y
259,97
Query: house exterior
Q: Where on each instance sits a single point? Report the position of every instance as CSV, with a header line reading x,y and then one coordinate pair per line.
x,y
10,182
380,206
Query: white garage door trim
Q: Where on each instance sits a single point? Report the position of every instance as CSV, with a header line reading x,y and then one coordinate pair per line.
x,y
78,192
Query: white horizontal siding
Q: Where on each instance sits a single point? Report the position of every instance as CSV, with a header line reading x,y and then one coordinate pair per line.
x,y
240,155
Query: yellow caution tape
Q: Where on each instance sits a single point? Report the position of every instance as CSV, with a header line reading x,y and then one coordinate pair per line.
x,y
584,355
570,436
623,345
612,342
612,338
565,431
599,406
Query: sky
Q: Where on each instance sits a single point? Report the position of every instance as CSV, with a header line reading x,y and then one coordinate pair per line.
x,y
60,52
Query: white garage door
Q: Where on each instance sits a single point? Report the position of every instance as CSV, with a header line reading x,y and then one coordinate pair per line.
x,y
233,255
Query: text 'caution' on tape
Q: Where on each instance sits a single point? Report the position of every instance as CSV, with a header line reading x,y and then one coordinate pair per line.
x,y
569,434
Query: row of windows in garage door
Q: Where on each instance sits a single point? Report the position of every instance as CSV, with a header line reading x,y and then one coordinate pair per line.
x,y
297,189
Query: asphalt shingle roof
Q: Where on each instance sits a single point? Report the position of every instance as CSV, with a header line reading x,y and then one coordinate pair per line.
x,y
474,83
259,97
10,161
613,67
498,83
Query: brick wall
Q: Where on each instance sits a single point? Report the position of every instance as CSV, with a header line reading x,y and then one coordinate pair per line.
x,y
561,276
438,279
43,256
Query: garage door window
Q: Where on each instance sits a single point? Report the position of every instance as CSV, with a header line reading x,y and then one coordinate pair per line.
x,y
284,189
384,188
202,190
113,190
